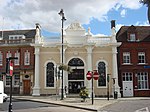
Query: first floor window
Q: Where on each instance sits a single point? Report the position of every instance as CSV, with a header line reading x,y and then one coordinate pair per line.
x,y
8,54
142,80
27,58
141,57
102,74
50,75
126,58
16,61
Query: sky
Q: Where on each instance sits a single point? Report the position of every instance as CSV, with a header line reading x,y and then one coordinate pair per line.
x,y
96,14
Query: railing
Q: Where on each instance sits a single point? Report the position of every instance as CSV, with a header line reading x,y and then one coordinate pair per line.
x,y
100,40
17,41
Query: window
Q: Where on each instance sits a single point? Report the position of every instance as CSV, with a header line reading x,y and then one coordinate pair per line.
x,y
127,76
126,58
8,54
8,80
16,79
15,37
77,74
27,58
141,58
132,37
50,75
102,74
16,61
76,62
1,77
1,58
142,80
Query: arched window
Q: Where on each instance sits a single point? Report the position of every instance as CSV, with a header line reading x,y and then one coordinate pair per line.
x,y
102,74
50,75
76,62
78,73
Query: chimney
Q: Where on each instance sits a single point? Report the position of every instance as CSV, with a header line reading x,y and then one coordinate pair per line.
x,y
112,23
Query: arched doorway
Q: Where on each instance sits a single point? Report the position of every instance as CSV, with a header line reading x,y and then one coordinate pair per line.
x,y
76,78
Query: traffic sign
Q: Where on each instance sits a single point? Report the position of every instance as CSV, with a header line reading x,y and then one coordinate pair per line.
x,y
146,66
95,75
89,75
11,68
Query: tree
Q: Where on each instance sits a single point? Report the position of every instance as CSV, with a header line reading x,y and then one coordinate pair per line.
x,y
147,2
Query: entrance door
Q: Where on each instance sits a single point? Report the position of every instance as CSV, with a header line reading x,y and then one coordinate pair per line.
x,y
127,88
26,87
75,86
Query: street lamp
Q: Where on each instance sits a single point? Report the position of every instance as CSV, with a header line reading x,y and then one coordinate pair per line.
x,y
9,71
61,13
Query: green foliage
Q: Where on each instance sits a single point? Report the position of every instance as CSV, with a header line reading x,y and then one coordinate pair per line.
x,y
84,93
65,67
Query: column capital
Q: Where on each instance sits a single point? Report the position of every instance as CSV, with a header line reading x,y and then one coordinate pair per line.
x,y
37,51
60,48
89,49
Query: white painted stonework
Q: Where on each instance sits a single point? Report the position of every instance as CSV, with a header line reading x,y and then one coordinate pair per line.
x,y
77,44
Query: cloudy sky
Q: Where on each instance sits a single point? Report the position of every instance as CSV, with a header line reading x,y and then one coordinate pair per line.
x,y
96,14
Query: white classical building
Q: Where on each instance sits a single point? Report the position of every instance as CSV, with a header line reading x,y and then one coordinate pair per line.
x,y
83,52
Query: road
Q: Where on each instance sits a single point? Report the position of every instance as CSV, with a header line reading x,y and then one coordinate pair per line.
x,y
28,106
128,106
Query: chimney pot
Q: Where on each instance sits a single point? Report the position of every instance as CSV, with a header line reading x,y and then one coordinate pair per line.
x,y
112,23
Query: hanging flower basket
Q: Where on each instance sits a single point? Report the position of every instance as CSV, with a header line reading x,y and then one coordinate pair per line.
x,y
65,67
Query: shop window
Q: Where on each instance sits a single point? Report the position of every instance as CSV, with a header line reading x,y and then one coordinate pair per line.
x,y
50,75
102,74
16,79
142,80
8,80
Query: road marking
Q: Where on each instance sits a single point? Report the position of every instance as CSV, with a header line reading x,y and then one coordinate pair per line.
x,y
143,110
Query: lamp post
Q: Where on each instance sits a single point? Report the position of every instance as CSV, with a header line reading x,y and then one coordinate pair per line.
x,y
90,75
9,71
61,13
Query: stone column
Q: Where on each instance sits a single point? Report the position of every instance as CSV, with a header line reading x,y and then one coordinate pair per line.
x,y
115,71
36,88
89,68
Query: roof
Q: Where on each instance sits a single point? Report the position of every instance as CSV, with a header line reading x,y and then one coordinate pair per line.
x,y
142,32
30,33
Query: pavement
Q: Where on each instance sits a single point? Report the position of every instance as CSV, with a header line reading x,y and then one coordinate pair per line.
x,y
98,103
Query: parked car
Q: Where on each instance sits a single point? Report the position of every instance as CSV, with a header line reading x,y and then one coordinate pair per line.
x,y
4,96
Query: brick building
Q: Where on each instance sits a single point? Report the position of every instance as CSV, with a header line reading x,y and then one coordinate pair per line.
x,y
16,43
134,60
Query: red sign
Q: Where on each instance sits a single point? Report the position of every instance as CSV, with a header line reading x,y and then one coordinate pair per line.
x,y
11,68
89,75
95,75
